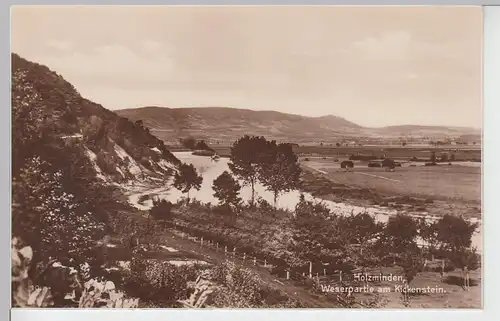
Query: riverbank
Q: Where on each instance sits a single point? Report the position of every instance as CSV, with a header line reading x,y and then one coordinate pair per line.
x,y
323,190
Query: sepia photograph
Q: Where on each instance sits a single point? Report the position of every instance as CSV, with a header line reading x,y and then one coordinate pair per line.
x,y
264,157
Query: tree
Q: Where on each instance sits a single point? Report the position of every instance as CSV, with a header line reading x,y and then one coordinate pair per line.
x,y
466,260
202,145
429,233
433,157
388,164
188,142
455,233
362,228
246,160
404,143
57,209
314,237
227,190
187,178
412,264
161,210
398,237
337,144
280,171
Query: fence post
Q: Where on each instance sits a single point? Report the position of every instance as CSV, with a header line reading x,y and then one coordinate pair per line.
x,y
234,252
254,260
201,242
310,269
442,270
324,272
287,274
244,257
265,262
217,248
340,275
225,250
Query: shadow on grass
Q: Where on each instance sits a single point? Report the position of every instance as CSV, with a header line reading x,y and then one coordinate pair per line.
x,y
458,280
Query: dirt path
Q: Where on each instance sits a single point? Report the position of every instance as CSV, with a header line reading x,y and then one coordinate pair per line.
x,y
213,256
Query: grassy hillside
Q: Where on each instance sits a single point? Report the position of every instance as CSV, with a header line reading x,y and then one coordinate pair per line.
x,y
224,125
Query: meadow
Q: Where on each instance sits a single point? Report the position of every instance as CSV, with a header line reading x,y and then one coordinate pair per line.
x,y
442,182
461,152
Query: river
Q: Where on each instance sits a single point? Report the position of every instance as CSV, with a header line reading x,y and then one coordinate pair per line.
x,y
210,170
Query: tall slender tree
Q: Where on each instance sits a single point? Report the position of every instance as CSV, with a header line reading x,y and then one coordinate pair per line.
x,y
280,170
246,160
187,178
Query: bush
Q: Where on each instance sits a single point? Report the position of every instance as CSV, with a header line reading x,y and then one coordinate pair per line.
x,y
159,281
224,210
243,289
161,210
264,206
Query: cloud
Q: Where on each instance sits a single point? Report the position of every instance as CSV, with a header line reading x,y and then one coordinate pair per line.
x,y
152,46
60,45
110,63
389,45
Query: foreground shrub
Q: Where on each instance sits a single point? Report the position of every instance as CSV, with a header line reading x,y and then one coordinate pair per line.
x,y
159,281
243,289
26,292
161,210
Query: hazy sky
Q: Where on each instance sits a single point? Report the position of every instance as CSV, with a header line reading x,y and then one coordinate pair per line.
x,y
375,66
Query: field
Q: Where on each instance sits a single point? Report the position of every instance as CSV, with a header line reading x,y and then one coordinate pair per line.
x,y
420,190
466,153
436,182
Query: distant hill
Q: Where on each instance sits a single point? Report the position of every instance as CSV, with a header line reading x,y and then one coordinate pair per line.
x,y
46,105
227,124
